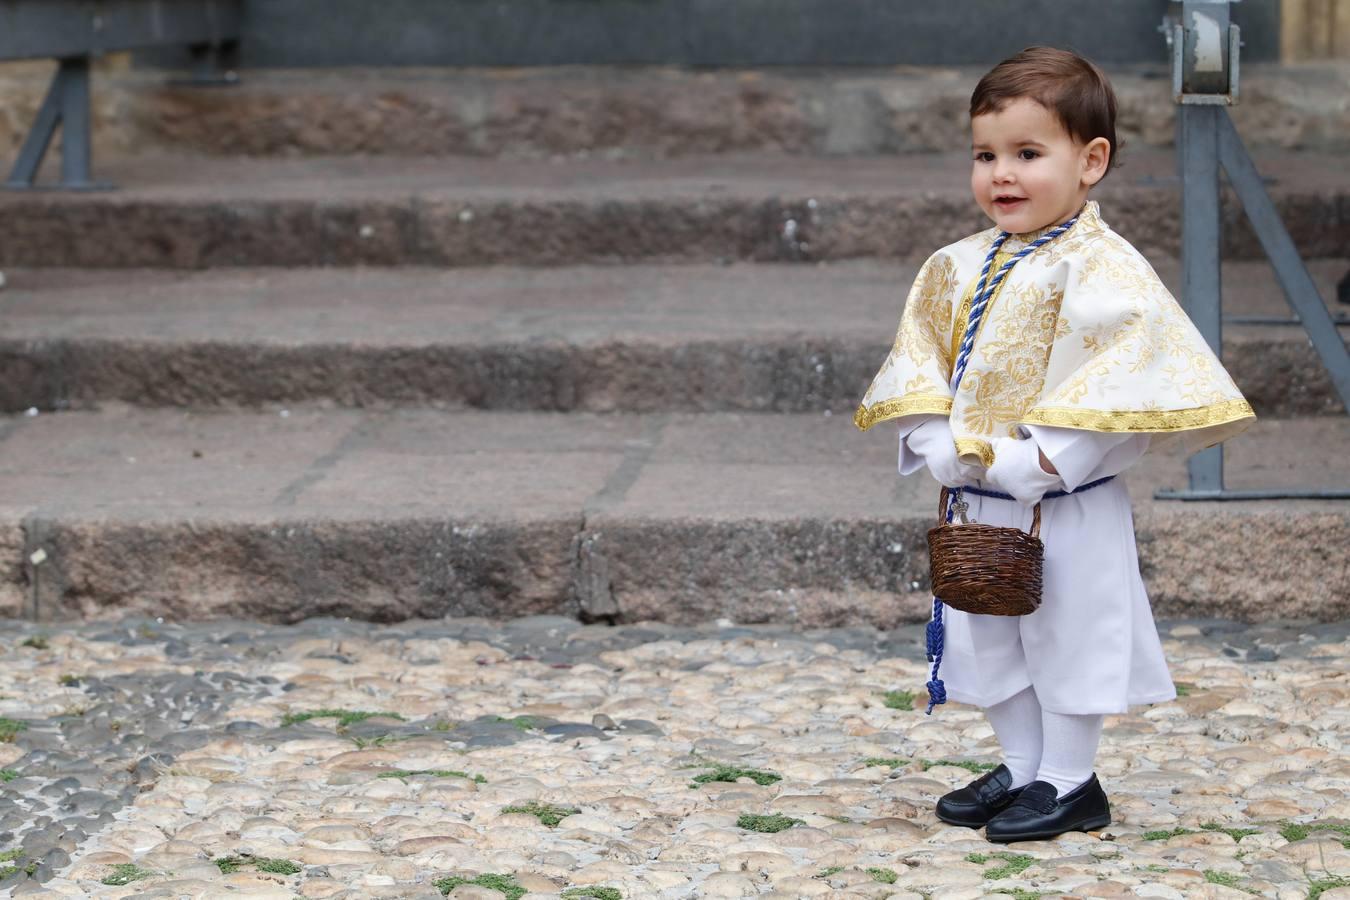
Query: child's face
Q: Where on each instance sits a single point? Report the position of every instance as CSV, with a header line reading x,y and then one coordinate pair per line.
x,y
1028,171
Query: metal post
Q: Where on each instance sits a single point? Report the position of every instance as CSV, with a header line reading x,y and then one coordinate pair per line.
x,y
1200,235
1205,81
66,106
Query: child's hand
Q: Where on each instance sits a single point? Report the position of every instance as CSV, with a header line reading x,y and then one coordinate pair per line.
x,y
933,441
1017,470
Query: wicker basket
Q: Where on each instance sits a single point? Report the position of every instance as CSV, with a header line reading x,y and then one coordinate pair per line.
x,y
986,569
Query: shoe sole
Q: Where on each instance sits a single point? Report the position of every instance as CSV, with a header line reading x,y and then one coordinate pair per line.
x,y
966,823
1090,824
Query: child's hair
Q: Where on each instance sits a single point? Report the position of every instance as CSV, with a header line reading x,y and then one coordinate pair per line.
x,y
1073,89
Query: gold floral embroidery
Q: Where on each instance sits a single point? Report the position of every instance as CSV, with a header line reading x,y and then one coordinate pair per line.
x,y
1012,368
928,312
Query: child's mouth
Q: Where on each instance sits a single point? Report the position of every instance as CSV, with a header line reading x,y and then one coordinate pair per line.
x,y
1009,203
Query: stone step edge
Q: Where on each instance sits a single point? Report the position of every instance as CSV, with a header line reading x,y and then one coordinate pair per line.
x,y
127,231
1280,373
572,111
1247,561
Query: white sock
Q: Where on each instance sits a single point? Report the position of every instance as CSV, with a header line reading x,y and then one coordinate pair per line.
x,y
1017,722
1070,747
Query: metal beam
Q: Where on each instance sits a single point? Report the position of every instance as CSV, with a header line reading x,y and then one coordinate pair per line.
x,y
1293,276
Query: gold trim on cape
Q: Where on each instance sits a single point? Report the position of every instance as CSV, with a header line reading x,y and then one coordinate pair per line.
x,y
908,405
1147,420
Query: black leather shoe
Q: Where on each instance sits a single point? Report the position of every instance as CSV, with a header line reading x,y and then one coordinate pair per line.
x,y
978,802
1038,814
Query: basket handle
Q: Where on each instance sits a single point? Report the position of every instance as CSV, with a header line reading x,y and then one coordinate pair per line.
x,y
942,513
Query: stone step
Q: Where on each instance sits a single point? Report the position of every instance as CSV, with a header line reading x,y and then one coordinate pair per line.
x,y
636,112
185,212
386,515
641,338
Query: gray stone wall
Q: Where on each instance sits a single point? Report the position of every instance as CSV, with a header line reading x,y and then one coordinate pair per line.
x,y
284,33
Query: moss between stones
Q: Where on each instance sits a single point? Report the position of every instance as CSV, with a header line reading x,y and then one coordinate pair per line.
x,y
231,864
8,775
10,728
438,773
898,699
1227,879
766,824
1296,831
977,768
893,762
1236,834
345,717
37,642
1164,834
505,884
883,876
1322,885
731,773
524,723
599,893
126,873
547,813
1014,864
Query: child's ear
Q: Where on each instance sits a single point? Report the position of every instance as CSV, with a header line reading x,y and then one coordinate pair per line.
x,y
1096,158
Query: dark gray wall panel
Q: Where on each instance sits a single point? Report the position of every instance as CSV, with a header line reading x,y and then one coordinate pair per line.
x,y
713,32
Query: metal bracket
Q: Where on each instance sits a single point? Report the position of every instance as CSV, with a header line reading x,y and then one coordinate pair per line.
x,y
213,65
1207,140
66,106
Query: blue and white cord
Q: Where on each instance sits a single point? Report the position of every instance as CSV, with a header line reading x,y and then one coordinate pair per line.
x,y
937,691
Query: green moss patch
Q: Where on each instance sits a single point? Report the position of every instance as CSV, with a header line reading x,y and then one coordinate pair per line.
x,y
126,873
1013,864
599,893
1164,834
547,813
345,717
732,773
37,642
882,876
231,864
10,728
436,773
977,768
8,775
1236,834
505,884
898,699
524,723
893,762
1227,879
766,824
1296,831
1322,885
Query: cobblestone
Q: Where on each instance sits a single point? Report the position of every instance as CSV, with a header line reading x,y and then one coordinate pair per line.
x,y
544,758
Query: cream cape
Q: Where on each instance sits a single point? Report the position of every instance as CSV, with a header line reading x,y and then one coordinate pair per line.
x,y
1080,334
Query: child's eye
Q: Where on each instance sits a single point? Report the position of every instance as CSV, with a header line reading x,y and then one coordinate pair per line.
x,y
1028,154
984,156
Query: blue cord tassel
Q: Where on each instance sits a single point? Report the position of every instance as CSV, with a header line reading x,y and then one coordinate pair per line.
x,y
937,691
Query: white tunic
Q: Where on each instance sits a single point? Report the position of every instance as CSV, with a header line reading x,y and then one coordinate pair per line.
x,y
1092,646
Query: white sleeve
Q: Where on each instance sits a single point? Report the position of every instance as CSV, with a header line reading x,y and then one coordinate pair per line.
x,y
1082,456
911,460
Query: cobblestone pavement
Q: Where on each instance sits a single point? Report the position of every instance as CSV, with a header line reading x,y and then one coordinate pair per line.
x,y
544,758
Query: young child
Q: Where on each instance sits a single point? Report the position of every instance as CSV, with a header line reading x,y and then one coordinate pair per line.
x,y
1079,361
